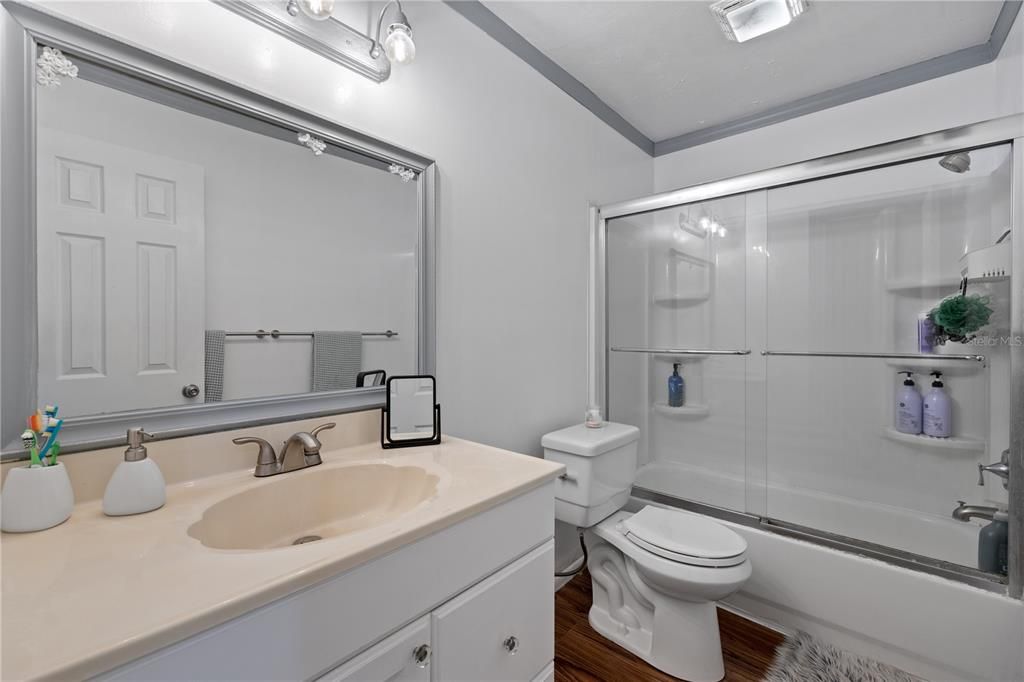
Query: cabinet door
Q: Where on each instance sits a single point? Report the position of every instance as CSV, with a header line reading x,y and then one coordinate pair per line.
x,y
402,657
501,629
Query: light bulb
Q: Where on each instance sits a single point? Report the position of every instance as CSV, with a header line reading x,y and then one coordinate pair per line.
x,y
317,9
398,46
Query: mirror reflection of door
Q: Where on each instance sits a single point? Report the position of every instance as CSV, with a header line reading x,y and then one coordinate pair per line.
x,y
170,232
120,275
412,408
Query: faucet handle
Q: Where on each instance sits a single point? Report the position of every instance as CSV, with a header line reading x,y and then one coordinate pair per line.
x,y
322,427
267,454
1000,469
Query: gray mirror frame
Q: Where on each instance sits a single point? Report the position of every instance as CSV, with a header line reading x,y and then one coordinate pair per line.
x,y
18,324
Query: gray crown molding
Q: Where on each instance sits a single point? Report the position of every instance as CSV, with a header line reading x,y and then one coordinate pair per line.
x,y
942,65
134,70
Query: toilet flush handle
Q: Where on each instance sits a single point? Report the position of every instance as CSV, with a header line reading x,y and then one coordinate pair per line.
x,y
567,477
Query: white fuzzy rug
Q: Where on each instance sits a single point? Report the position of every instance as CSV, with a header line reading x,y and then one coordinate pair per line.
x,y
803,658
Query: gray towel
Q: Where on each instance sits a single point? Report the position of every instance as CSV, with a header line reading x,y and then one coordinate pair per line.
x,y
337,359
214,365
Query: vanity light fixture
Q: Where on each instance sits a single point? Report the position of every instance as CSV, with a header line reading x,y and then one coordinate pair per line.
x,y
398,44
318,10
741,20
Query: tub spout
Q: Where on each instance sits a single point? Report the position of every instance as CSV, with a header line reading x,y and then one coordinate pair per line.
x,y
966,512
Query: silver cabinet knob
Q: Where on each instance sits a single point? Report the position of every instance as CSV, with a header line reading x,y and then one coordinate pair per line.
x,y
511,645
421,655
190,391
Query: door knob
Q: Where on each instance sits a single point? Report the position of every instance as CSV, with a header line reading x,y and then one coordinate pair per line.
x,y
190,391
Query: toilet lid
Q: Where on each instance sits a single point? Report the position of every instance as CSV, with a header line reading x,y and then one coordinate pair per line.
x,y
686,538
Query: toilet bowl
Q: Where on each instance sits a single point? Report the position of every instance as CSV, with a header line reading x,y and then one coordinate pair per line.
x,y
660,608
657,573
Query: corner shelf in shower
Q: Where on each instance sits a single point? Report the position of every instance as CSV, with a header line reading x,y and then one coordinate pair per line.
x,y
693,411
962,443
951,365
672,299
681,358
910,285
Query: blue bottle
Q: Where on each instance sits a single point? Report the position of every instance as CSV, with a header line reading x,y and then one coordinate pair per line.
x,y
676,388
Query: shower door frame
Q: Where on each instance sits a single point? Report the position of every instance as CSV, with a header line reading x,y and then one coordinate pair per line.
x,y
1005,130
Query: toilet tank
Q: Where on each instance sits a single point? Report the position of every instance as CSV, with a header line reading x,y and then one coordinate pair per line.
x,y
600,465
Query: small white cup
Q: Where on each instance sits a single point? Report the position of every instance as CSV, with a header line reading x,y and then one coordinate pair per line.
x,y
35,498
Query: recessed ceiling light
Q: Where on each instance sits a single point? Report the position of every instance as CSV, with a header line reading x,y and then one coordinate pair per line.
x,y
741,20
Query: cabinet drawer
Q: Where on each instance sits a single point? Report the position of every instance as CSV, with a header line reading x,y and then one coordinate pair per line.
x,y
402,657
502,628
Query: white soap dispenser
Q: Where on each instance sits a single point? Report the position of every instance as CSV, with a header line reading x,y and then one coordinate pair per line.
x,y
137,485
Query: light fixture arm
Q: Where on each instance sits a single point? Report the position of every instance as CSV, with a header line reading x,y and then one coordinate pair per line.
x,y
375,50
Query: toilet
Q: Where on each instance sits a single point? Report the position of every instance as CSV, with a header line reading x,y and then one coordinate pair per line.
x,y
657,573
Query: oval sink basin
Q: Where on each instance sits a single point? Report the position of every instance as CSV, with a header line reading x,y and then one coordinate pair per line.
x,y
296,508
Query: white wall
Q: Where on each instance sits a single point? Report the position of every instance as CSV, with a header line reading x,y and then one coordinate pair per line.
x,y
294,241
519,164
984,92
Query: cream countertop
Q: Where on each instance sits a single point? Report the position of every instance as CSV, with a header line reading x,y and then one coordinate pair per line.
x,y
97,592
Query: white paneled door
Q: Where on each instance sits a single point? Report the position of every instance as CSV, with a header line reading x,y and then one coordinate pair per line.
x,y
121,276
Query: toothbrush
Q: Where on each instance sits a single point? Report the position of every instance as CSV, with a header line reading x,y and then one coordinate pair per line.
x,y
53,426
28,439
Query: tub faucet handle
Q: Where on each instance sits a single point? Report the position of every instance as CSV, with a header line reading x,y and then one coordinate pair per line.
x,y
1000,469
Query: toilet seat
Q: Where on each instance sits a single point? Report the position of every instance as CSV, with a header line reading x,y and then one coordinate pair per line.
x,y
684,538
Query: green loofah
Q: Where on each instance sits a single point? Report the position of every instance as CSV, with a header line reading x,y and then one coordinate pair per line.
x,y
957,318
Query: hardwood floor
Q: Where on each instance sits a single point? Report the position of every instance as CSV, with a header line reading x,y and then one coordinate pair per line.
x,y
582,655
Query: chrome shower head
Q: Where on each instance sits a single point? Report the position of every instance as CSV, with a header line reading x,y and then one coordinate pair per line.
x,y
960,162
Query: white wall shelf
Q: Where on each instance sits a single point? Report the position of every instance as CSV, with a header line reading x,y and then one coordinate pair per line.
x,y
911,285
672,299
963,443
947,365
693,411
681,358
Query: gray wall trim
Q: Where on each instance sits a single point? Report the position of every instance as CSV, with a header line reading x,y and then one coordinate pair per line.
x,y
893,80
1004,22
489,23
942,65
108,430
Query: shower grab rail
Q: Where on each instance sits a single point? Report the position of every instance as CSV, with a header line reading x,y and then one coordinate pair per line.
x,y
884,356
681,351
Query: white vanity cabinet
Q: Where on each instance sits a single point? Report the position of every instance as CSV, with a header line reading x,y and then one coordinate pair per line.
x,y
470,603
402,657
500,629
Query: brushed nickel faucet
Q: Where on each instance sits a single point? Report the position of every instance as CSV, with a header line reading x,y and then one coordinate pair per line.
x,y
966,512
269,463
1000,469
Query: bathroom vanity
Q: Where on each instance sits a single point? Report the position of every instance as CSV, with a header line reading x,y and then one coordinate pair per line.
x,y
434,563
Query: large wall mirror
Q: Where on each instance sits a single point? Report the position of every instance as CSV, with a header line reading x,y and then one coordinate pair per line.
x,y
202,257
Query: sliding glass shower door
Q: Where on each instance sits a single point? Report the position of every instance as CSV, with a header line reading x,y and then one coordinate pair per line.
x,y
794,314
854,264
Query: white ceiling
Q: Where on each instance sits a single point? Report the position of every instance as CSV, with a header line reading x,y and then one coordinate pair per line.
x,y
668,69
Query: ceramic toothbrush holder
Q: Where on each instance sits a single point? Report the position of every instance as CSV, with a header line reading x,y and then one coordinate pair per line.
x,y
35,498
